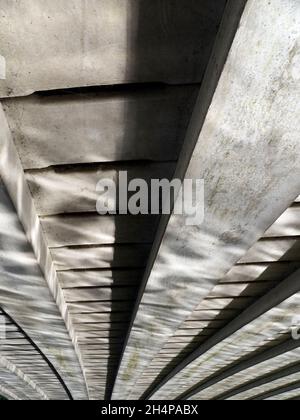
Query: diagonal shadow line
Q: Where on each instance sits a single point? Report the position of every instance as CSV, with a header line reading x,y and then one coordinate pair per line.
x,y
262,380
169,371
278,391
257,358
134,68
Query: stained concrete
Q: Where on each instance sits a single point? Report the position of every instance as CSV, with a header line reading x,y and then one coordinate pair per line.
x,y
95,128
247,151
62,44
63,190
26,297
244,144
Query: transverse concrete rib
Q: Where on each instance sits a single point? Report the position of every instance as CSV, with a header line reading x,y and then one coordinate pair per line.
x,y
287,389
270,355
248,185
264,380
19,267
283,291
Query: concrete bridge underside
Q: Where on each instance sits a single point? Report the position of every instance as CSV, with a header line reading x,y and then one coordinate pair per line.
x,y
148,307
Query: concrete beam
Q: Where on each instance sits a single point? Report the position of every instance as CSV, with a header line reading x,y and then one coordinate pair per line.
x,y
75,188
15,388
287,389
265,383
108,126
54,44
8,393
293,395
254,335
27,380
244,148
262,363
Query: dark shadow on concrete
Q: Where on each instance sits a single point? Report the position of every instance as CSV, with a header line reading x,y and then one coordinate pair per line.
x,y
177,38
269,279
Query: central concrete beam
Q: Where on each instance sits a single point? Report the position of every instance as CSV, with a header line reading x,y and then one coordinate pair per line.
x,y
243,141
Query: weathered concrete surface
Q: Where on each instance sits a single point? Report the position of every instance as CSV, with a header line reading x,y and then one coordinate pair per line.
x,y
279,249
120,256
84,243
13,177
136,127
75,187
25,295
262,272
2,68
51,44
224,303
15,388
288,395
89,128
9,393
287,225
266,329
98,230
269,386
99,278
254,373
248,153
6,364
133,128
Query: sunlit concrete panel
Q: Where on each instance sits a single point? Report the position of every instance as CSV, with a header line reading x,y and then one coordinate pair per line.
x,y
15,388
70,258
253,373
266,329
96,229
64,190
268,387
287,225
99,278
52,44
247,151
26,297
103,127
240,287
295,394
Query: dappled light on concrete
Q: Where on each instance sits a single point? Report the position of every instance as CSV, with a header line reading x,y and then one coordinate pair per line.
x,y
143,307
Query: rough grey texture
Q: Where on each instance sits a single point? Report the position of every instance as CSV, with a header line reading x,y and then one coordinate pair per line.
x,y
24,294
248,153
76,129
52,44
246,148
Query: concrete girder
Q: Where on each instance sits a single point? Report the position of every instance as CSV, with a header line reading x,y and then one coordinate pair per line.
x,y
270,319
264,363
265,383
281,393
244,148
